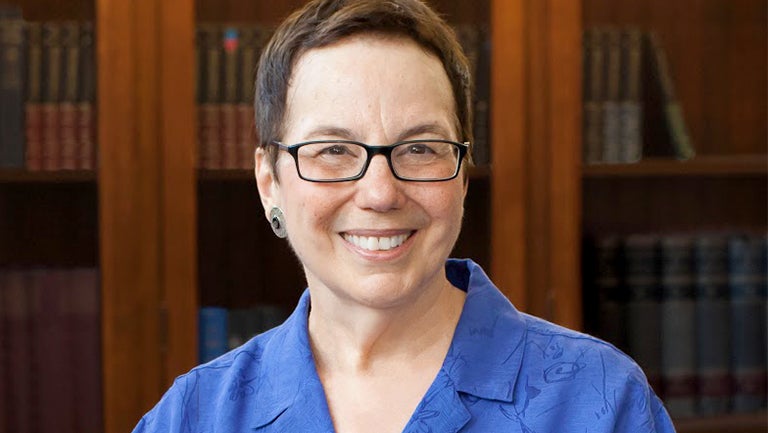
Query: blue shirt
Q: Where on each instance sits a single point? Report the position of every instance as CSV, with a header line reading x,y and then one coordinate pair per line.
x,y
505,371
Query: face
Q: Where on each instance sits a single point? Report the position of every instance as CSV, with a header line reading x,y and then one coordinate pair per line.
x,y
376,241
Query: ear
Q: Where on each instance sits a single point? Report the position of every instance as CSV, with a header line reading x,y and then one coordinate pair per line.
x,y
266,182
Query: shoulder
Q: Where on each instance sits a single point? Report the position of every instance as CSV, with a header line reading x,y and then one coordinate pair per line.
x,y
591,374
224,382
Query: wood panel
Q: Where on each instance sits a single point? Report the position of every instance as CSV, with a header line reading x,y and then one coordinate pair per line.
x,y
536,130
129,199
178,134
45,10
716,50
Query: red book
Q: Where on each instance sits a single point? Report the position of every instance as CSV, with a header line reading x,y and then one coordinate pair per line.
x,y
34,136
4,351
86,136
228,139
246,135
34,111
82,316
51,94
18,396
55,394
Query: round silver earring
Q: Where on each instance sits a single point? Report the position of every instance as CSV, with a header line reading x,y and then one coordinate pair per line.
x,y
277,222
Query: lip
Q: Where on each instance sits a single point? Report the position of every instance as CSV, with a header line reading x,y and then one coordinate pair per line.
x,y
380,255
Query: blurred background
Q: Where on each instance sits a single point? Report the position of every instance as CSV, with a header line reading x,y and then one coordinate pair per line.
x,y
619,188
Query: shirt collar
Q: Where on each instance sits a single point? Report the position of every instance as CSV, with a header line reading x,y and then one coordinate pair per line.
x,y
487,348
484,358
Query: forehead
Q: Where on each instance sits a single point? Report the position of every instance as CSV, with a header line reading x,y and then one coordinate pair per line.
x,y
361,79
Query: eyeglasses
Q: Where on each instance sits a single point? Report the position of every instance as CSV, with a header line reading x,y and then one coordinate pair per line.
x,y
345,160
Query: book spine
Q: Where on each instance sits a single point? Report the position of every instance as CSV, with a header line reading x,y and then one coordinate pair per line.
x,y
746,260
55,394
611,299
82,323
231,86
594,61
19,351
712,324
5,371
678,350
70,39
631,107
86,115
610,106
210,108
482,104
641,276
34,109
682,147
12,93
52,75
213,334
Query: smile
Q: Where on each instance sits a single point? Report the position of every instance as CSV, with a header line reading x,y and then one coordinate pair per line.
x,y
374,243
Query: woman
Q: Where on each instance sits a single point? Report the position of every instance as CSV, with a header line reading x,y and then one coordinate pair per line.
x,y
364,114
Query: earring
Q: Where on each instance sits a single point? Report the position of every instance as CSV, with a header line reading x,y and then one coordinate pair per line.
x,y
277,221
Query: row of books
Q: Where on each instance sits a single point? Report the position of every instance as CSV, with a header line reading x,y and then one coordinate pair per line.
x,y
47,71
50,350
690,309
630,106
221,329
226,62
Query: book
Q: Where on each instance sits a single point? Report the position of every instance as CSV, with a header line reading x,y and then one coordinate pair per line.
x,y
712,323
678,348
610,291
630,100
86,100
747,268
594,61
12,77
5,371
51,95
20,351
68,121
213,334
611,116
210,106
33,105
641,277
671,116
54,391
82,320
252,38
227,141
482,102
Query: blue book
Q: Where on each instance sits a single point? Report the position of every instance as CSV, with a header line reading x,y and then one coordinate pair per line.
x,y
713,339
747,267
678,319
212,341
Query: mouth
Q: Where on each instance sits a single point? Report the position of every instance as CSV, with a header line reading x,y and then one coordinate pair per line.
x,y
377,243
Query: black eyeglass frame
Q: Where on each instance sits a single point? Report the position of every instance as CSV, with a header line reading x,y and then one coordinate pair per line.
x,y
372,151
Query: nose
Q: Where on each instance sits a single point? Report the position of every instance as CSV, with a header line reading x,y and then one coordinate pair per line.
x,y
378,189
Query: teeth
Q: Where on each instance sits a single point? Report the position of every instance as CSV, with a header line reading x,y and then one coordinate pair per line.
x,y
373,243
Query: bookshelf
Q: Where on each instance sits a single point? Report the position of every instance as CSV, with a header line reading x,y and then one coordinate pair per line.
x,y
718,66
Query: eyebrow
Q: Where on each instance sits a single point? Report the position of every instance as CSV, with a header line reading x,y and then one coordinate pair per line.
x,y
347,134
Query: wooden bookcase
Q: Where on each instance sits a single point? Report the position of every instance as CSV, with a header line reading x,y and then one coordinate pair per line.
x,y
152,221
716,50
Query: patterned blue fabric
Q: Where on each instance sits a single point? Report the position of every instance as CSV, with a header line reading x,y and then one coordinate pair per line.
x,y
505,371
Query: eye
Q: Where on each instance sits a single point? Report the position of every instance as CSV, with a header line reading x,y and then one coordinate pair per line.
x,y
335,150
419,149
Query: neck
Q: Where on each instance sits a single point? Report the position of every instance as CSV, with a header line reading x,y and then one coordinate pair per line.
x,y
358,339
